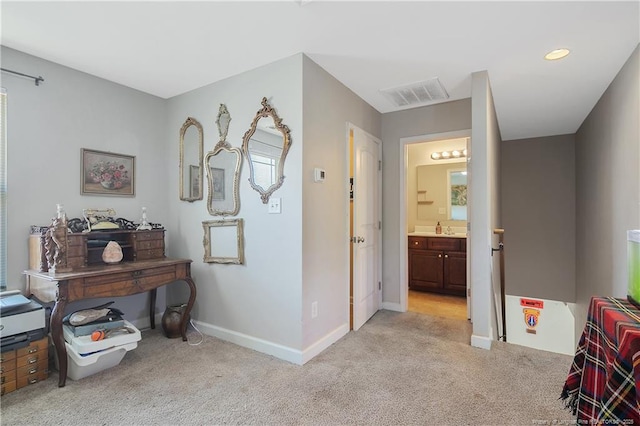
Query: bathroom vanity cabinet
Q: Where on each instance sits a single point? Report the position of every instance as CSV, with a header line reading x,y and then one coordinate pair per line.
x,y
438,264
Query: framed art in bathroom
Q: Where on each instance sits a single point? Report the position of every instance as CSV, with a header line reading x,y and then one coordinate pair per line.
x,y
107,173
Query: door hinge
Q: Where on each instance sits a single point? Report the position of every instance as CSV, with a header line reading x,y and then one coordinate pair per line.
x,y
379,285
379,225
379,164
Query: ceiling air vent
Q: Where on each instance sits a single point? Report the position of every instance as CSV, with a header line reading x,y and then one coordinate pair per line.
x,y
417,93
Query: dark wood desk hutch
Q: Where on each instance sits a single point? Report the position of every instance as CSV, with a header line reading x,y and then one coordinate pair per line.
x,y
73,270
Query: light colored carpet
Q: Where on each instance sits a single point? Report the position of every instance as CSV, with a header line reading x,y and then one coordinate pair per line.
x,y
398,369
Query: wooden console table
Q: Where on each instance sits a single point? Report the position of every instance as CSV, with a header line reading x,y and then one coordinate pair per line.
x,y
122,279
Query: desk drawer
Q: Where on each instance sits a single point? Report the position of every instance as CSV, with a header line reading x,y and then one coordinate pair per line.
x,y
150,244
36,347
6,377
126,283
31,379
151,235
31,369
149,254
8,387
8,358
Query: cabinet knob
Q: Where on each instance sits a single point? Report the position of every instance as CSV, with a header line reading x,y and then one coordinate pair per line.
x,y
439,255
416,243
446,255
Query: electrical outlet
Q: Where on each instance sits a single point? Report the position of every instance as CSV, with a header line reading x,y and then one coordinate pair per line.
x,y
314,309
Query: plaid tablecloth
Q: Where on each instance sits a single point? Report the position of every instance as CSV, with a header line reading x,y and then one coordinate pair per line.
x,y
602,382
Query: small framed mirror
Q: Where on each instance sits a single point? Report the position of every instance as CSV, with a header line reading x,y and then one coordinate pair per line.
x,y
191,153
223,241
266,145
223,172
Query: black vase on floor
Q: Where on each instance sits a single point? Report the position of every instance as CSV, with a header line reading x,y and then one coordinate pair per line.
x,y
171,320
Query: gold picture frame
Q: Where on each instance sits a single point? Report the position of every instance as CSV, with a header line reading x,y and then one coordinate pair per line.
x,y
107,173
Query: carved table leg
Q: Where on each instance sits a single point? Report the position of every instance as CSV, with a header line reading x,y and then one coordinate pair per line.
x,y
58,338
152,307
187,311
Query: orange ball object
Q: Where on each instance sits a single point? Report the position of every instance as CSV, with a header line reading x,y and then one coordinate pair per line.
x,y
97,335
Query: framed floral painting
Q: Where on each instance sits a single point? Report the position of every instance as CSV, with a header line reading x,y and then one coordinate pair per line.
x,y
107,173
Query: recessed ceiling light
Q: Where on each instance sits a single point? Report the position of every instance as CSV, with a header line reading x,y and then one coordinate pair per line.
x,y
556,54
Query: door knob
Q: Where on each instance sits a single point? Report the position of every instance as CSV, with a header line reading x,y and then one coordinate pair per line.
x,y
360,240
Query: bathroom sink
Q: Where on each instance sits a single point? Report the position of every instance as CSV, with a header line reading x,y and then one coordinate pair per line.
x,y
433,234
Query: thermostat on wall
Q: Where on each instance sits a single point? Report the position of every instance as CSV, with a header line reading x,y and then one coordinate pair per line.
x,y
318,175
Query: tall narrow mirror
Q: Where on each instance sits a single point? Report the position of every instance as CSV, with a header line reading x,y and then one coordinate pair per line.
x,y
191,153
266,145
457,190
223,171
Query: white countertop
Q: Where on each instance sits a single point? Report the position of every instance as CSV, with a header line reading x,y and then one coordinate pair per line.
x,y
433,234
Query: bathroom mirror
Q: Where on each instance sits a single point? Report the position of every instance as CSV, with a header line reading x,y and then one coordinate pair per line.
x,y
223,171
266,145
441,192
223,241
191,152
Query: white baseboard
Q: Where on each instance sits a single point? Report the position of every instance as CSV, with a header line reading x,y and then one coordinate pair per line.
x,y
480,342
324,343
279,351
282,352
392,306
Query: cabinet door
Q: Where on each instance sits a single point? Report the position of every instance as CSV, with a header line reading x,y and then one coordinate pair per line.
x,y
425,269
455,272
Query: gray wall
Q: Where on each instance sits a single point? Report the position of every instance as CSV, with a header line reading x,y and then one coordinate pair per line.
x,y
46,128
607,188
257,304
441,118
538,212
327,107
484,208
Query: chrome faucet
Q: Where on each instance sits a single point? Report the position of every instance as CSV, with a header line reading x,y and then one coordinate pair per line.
x,y
448,231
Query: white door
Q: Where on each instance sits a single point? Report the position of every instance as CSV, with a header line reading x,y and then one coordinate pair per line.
x,y
366,240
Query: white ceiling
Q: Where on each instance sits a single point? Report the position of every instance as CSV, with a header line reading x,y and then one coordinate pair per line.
x,y
168,48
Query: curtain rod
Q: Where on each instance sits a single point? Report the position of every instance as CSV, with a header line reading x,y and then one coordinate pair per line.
x,y
36,79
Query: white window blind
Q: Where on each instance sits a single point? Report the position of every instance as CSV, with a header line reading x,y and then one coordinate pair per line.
x,y
3,189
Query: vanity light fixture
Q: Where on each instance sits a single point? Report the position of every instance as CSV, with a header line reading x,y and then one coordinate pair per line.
x,y
557,54
447,155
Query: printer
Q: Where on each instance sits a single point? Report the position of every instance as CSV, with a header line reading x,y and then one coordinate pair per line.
x,y
22,321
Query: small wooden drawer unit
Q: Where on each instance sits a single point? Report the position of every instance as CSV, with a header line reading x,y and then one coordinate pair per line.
x,y
25,366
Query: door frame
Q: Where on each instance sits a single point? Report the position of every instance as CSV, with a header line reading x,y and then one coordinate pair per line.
x,y
349,127
404,252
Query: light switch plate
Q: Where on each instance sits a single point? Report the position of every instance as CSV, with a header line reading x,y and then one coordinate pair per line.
x,y
274,206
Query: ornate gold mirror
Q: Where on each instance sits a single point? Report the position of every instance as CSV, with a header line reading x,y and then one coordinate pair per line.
x,y
191,152
223,171
266,145
223,241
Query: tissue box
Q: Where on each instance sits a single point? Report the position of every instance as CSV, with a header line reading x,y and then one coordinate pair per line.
x,y
633,262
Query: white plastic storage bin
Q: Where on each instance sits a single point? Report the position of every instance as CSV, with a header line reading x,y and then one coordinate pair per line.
x,y
84,345
79,367
86,357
